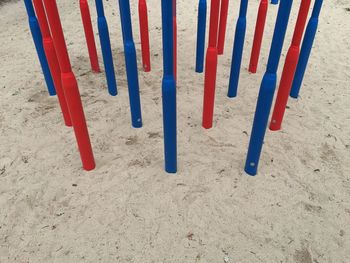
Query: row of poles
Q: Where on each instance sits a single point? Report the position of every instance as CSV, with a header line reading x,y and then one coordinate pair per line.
x,y
46,29
293,70
47,32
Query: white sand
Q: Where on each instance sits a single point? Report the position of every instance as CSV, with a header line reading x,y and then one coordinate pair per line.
x,y
129,210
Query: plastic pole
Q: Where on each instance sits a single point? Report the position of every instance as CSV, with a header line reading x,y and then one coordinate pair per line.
x,y
222,26
89,35
306,47
175,39
106,48
258,36
267,89
201,27
70,87
169,89
211,67
144,33
131,64
37,38
274,2
52,60
238,50
289,67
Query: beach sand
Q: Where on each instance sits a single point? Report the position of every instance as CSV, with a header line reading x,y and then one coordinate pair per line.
x,y
297,209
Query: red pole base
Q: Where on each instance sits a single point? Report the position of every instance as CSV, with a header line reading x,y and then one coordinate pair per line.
x,y
253,68
258,36
222,26
89,35
209,87
144,33
289,68
70,87
284,88
71,91
56,75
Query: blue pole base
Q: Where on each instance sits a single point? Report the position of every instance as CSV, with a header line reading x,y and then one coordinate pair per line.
x,y
133,84
202,20
305,52
38,42
262,112
107,55
169,123
237,57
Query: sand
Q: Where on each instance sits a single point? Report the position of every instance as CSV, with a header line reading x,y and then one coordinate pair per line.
x,y
129,210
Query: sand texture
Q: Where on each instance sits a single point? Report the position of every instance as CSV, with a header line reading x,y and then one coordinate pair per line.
x,y
129,210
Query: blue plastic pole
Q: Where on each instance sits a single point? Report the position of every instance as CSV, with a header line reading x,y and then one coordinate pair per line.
x,y
169,89
38,42
201,27
106,48
306,47
274,2
267,89
238,49
131,64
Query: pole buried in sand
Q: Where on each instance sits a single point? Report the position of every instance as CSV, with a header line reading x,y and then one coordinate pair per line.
x,y
211,64
106,48
70,87
289,68
52,60
131,64
89,35
38,42
201,28
306,48
222,26
144,34
267,90
238,50
169,89
258,36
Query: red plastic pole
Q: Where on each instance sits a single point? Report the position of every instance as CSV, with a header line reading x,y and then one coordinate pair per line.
x,y
289,67
258,36
144,33
222,26
211,67
89,35
175,38
51,56
70,87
